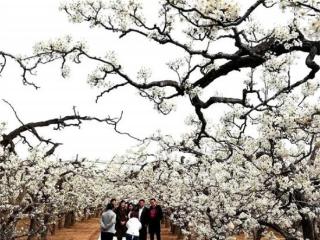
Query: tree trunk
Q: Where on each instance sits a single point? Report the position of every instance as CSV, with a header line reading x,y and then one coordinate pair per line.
x,y
97,213
180,235
53,229
308,227
167,222
45,231
257,234
67,220
60,221
85,217
172,228
317,226
73,218
32,228
70,219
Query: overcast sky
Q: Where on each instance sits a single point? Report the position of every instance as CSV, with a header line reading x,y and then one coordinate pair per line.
x,y
23,23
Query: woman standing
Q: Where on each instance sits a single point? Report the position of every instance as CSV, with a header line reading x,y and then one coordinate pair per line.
x,y
130,209
122,218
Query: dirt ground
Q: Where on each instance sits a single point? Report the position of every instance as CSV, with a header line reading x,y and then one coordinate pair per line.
x,y
89,230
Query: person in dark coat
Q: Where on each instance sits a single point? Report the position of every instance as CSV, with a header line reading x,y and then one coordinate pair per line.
x,y
122,218
113,201
130,210
143,217
155,216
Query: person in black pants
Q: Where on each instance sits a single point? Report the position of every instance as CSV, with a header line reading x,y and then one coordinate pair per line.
x,y
107,223
143,217
122,218
155,215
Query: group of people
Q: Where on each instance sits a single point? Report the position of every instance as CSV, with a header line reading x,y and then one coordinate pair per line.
x,y
130,221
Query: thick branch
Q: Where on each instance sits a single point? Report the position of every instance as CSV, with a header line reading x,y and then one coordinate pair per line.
x,y
59,123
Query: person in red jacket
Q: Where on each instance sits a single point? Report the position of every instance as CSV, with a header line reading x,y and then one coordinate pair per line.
x,y
155,216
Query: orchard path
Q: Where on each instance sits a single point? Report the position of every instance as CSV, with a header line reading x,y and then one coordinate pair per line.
x,y
86,230
89,230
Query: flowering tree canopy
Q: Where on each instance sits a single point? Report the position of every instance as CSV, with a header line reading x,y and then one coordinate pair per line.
x,y
41,188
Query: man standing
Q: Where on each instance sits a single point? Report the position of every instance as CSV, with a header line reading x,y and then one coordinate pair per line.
x,y
108,222
155,215
143,218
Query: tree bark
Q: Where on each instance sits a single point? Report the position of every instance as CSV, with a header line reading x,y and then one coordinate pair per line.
x,y
32,228
73,218
60,221
67,220
308,228
257,234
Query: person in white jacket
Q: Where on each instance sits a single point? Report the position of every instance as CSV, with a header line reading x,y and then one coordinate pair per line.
x,y
107,223
133,226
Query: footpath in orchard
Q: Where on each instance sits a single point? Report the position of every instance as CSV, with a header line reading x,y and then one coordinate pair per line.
x,y
85,230
89,230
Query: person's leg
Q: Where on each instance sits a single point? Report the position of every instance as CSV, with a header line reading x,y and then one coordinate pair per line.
x,y
106,236
109,236
158,233
151,235
120,234
140,234
144,234
102,236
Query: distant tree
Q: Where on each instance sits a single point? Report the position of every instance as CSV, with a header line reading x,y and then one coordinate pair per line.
x,y
40,189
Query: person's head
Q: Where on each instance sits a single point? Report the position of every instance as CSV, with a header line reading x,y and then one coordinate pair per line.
x,y
109,207
122,204
134,214
141,203
113,201
136,208
130,206
153,202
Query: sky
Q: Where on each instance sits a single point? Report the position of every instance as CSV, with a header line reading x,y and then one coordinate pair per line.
x,y
23,23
